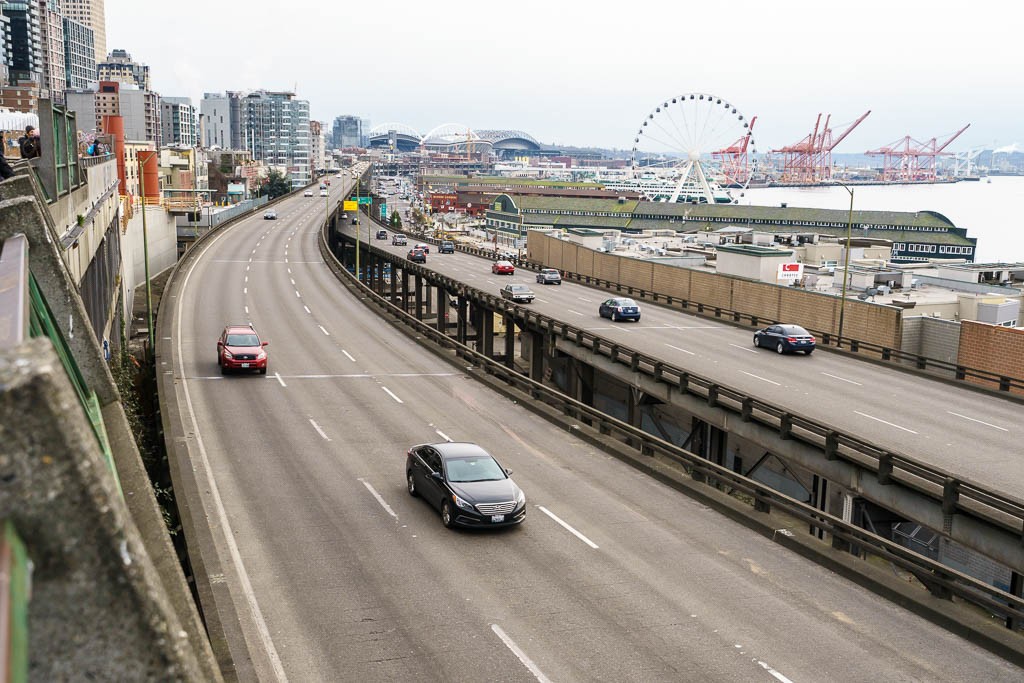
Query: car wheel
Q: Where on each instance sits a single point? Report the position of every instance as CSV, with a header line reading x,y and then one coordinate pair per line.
x,y
263,371
757,342
780,348
410,483
223,370
446,515
615,317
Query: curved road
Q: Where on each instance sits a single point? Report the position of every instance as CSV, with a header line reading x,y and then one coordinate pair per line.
x,y
612,577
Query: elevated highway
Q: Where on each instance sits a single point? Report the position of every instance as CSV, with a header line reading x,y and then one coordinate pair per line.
x,y
313,563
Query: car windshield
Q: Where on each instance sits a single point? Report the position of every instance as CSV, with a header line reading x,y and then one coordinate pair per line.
x,y
243,340
517,288
474,468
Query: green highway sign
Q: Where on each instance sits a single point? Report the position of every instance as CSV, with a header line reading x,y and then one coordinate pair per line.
x,y
365,200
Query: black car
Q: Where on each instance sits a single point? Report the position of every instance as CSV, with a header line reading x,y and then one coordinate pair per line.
x,y
465,483
417,256
785,338
446,247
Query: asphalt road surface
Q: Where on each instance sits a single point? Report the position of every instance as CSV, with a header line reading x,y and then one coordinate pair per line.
x,y
612,576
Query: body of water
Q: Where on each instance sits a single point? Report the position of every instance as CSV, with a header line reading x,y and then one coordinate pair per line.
x,y
988,211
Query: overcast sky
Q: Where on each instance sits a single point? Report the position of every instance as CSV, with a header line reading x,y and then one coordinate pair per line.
x,y
589,73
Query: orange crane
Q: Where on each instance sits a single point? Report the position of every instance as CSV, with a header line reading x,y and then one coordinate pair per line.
x,y
910,161
810,160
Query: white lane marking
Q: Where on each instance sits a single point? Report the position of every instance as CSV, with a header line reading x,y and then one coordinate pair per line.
x,y
286,260
254,251
679,349
872,417
978,421
491,282
442,435
221,513
307,310
278,376
247,310
247,268
245,290
567,527
773,672
297,295
293,281
392,394
246,278
543,301
527,662
318,430
744,348
573,312
760,378
383,503
348,355
323,330
583,298
842,379
289,271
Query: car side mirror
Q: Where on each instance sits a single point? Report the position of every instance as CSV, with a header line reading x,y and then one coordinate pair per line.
x,y
508,472
220,343
266,343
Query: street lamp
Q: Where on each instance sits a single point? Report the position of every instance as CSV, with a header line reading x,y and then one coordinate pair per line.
x,y
846,263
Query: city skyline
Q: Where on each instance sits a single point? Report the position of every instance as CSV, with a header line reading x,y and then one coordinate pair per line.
x,y
587,78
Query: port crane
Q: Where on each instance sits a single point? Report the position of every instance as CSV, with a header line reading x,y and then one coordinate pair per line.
x,y
810,160
734,159
908,161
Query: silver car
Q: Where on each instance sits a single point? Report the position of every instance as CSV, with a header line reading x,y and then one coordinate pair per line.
x,y
549,276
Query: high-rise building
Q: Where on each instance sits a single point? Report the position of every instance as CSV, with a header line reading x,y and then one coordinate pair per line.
x,y
348,131
5,44
317,145
54,71
89,13
275,126
79,54
119,66
140,109
178,121
221,117
25,62
82,101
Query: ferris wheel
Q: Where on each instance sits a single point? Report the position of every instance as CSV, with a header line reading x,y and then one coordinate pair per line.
x,y
694,147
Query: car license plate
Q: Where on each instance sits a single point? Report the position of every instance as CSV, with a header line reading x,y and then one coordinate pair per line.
x,y
496,519
245,365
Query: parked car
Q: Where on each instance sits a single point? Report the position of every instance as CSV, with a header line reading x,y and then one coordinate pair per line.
x,y
785,338
307,193
465,483
549,276
382,234
503,268
424,247
240,348
417,256
270,215
619,308
398,241
446,247
521,294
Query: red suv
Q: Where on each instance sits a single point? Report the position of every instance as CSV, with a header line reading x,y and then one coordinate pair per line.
x,y
240,348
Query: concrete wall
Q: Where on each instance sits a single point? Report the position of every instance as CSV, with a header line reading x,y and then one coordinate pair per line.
x,y
992,348
864,321
162,236
99,208
932,338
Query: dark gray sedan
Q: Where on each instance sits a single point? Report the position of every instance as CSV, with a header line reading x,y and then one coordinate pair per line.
x,y
465,483
785,338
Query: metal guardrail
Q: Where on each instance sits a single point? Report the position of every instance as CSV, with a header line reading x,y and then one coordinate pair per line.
x,y
955,493
15,588
957,583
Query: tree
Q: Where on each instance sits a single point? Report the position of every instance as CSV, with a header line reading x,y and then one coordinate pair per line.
x,y
396,220
276,185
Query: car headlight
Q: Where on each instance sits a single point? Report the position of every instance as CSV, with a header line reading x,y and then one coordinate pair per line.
x,y
461,503
520,498
261,355
227,354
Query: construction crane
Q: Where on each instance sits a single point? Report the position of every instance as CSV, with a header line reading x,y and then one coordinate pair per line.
x,y
734,160
909,161
963,163
810,160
